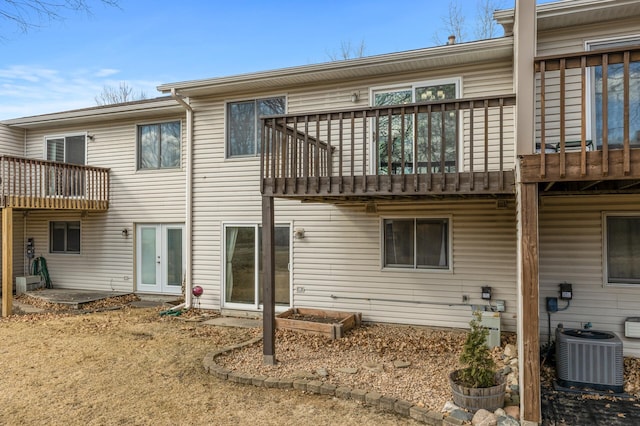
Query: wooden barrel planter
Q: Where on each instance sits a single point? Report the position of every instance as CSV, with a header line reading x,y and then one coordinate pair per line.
x,y
473,399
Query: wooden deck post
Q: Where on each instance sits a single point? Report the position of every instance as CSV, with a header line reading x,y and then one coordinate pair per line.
x,y
525,47
7,261
528,296
269,278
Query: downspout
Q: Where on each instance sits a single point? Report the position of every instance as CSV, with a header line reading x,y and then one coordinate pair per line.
x,y
188,200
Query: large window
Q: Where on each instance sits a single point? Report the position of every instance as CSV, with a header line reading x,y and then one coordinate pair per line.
x,y
243,124
159,145
64,237
615,97
416,243
429,147
622,252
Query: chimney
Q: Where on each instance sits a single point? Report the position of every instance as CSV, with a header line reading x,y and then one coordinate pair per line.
x,y
452,39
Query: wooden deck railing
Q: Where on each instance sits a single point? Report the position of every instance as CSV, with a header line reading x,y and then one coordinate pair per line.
x,y
425,140
588,114
39,184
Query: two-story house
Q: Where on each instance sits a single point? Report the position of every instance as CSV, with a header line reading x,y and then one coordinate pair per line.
x,y
396,185
82,187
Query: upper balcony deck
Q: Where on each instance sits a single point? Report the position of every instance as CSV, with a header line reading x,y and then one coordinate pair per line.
x,y
27,183
588,120
461,147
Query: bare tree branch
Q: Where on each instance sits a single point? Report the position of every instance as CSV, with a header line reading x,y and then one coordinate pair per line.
x,y
486,26
116,95
347,51
30,14
454,23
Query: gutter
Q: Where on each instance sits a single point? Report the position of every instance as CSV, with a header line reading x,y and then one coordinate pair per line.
x,y
188,200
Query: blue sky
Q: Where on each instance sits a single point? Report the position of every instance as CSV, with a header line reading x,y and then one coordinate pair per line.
x,y
64,64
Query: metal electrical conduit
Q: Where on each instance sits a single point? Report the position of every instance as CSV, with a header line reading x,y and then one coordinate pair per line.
x,y
419,302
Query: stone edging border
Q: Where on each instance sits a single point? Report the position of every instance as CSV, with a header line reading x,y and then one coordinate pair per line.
x,y
372,399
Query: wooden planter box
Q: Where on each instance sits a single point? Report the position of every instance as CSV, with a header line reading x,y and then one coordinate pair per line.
x,y
332,324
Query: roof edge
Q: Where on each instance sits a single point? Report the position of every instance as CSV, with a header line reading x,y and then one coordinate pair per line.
x,y
159,103
378,60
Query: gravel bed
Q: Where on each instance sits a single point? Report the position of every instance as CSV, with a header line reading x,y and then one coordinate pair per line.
x,y
405,362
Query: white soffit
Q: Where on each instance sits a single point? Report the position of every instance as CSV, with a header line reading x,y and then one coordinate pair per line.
x,y
137,109
484,51
569,13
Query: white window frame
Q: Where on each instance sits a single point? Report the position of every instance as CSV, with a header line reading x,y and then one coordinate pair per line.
x,y
413,86
227,155
605,249
65,136
138,146
223,266
50,235
596,44
413,269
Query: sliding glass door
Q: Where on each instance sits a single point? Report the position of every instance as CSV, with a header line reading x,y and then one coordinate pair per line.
x,y
243,266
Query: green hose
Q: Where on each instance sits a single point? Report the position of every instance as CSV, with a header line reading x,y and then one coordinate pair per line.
x,y
39,267
171,313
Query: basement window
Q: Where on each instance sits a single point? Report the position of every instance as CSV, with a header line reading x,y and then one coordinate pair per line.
x,y
622,249
64,237
416,243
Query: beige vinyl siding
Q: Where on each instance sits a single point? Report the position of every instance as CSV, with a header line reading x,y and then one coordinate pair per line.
x,y
107,260
481,81
11,141
571,250
339,264
573,39
340,254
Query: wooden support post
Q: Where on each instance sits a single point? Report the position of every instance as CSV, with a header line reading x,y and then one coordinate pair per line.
x,y
7,261
269,279
528,314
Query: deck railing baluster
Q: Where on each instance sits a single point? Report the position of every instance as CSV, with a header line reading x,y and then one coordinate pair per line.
x,y
585,104
301,147
33,184
626,96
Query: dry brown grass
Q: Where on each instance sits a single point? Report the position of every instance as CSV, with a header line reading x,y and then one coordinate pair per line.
x,y
133,367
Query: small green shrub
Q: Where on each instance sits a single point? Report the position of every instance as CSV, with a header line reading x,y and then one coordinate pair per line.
x,y
480,367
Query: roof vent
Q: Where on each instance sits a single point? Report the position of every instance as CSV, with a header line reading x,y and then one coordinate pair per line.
x,y
452,39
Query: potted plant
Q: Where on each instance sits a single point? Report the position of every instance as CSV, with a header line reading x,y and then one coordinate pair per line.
x,y
477,385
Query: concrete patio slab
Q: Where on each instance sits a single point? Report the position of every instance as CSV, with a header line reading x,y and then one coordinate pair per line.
x,y
73,298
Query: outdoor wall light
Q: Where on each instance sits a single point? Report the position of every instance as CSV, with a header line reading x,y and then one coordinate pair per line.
x,y
298,233
125,233
355,97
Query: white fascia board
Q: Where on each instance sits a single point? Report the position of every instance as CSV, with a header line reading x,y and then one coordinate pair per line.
x,y
435,57
155,106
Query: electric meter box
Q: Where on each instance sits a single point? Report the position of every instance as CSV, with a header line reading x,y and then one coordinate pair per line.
x,y
632,327
491,321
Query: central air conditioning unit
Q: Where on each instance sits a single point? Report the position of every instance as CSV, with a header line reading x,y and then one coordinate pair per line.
x,y
589,359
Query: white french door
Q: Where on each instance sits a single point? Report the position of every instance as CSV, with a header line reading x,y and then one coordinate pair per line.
x,y
160,258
